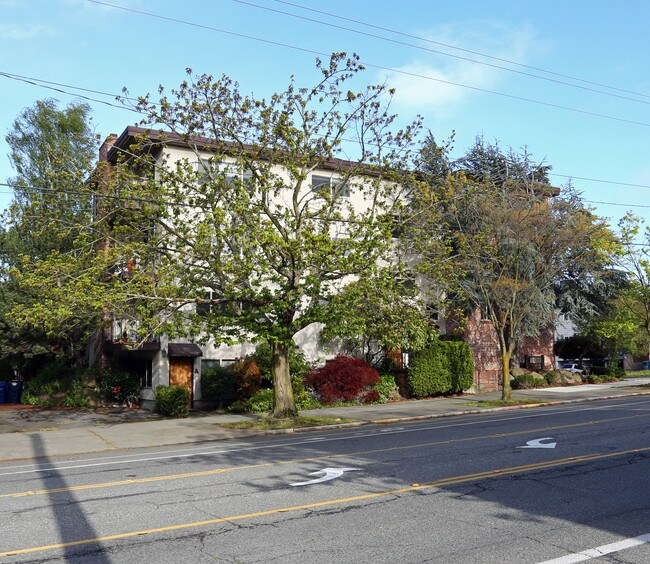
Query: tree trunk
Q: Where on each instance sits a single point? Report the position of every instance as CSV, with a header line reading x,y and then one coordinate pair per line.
x,y
283,402
505,371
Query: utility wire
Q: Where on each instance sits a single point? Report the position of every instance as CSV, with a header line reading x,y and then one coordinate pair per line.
x,y
124,198
617,204
375,66
431,41
35,81
599,180
460,57
53,86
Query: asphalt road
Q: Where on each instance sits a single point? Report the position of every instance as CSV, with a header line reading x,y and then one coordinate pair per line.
x,y
530,485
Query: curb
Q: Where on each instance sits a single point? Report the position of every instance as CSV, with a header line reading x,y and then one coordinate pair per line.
x,y
386,421
542,403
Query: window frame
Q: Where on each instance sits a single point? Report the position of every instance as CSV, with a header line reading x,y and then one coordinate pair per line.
x,y
336,186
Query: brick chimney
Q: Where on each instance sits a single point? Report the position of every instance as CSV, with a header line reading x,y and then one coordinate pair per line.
x,y
106,146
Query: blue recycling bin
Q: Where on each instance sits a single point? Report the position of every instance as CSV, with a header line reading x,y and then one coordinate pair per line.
x,y
3,388
13,391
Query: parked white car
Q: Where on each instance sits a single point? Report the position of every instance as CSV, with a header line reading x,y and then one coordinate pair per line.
x,y
575,368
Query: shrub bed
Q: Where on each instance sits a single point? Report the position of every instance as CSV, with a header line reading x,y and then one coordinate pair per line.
x,y
262,401
56,385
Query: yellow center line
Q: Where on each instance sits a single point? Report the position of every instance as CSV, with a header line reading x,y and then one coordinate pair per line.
x,y
309,459
454,480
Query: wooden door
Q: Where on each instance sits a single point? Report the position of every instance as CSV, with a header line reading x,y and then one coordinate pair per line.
x,y
180,373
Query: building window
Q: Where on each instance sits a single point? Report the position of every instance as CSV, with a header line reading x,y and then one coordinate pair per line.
x,y
207,363
335,187
231,172
146,373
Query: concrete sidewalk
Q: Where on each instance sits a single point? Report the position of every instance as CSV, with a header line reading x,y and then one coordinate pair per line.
x,y
70,432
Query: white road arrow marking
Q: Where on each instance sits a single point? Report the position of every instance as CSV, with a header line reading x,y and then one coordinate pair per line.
x,y
537,443
330,474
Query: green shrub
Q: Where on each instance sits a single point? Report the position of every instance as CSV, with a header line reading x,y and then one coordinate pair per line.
x,y
118,386
461,364
555,378
262,401
599,379
451,337
444,367
39,391
303,395
386,388
614,371
527,382
172,401
219,384
52,386
75,396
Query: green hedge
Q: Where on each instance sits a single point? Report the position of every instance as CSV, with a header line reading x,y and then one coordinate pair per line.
x,y
172,401
219,384
607,371
444,367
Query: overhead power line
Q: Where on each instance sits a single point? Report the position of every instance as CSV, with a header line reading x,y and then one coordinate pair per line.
x,y
600,180
617,204
126,198
58,87
462,49
43,83
375,66
443,53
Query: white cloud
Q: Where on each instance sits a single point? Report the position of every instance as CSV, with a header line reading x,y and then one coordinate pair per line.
x,y
436,95
23,32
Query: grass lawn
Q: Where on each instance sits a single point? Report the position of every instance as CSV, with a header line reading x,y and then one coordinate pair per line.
x,y
638,374
271,423
504,403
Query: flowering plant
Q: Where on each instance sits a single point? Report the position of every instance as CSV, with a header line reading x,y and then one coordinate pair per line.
x,y
119,386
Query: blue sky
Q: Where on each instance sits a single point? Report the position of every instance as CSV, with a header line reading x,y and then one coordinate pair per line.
x,y
589,116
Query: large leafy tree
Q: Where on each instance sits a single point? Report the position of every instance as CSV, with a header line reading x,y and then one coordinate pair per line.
x,y
52,152
508,240
239,240
633,259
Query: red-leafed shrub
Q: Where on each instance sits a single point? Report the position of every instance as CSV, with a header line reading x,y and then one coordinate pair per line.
x,y
343,379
